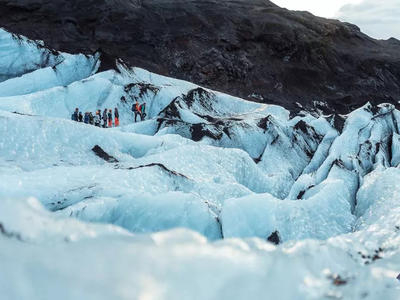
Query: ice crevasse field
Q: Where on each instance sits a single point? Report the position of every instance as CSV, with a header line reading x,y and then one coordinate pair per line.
x,y
210,197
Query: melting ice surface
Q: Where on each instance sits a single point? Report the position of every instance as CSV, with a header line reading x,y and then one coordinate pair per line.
x,y
186,207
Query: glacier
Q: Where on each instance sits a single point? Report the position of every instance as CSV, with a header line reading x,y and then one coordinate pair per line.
x,y
211,197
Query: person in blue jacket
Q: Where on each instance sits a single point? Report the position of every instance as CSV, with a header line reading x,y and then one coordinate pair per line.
x,y
86,118
75,115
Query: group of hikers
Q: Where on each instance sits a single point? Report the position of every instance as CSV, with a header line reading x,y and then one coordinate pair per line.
x,y
139,110
107,116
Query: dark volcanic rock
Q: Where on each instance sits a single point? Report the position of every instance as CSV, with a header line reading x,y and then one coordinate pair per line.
x,y
274,238
104,155
161,166
248,48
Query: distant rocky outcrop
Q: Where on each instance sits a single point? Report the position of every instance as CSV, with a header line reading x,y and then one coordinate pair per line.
x,y
248,48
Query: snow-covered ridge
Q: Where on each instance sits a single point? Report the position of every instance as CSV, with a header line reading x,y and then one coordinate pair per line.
x,y
202,160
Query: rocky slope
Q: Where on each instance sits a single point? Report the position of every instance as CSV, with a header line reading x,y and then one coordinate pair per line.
x,y
253,49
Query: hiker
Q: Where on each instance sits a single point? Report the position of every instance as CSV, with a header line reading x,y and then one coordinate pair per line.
x,y
116,117
136,109
86,118
105,118
97,118
142,110
74,116
91,119
80,117
110,123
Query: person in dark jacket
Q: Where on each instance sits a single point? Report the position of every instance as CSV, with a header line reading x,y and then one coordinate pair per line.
x,y
105,118
80,117
109,115
116,117
91,119
75,114
86,118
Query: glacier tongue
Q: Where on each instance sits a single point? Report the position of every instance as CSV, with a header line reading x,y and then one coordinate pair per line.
x,y
198,188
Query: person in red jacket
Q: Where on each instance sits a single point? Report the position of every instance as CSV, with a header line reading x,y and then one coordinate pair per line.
x,y
116,117
136,109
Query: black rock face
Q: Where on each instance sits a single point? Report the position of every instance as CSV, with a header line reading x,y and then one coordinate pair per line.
x,y
274,238
248,48
104,155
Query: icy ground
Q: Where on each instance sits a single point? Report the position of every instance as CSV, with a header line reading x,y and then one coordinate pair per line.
x,y
190,203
